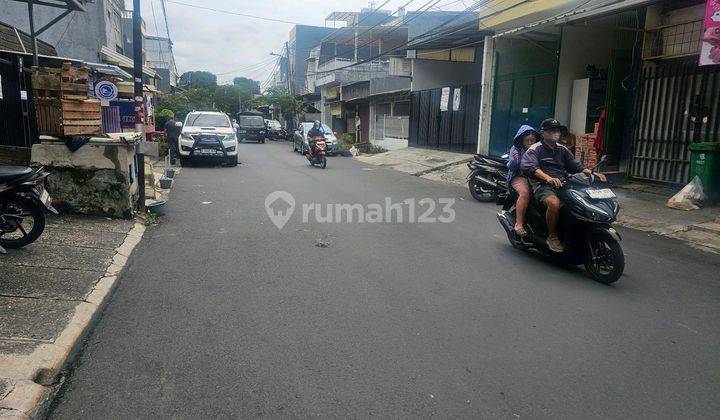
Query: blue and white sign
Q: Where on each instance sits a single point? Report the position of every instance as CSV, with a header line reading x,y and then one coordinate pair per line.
x,y
106,91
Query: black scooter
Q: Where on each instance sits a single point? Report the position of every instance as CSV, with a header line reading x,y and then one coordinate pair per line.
x,y
585,227
488,177
23,201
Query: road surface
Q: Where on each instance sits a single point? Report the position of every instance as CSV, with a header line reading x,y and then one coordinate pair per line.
x,y
220,314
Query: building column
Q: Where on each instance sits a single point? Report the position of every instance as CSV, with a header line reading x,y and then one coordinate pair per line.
x,y
371,125
486,96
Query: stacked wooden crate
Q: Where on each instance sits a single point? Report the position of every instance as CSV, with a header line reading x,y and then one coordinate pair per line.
x,y
62,105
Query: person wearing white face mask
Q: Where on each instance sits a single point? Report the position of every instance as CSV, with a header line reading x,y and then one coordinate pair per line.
x,y
547,163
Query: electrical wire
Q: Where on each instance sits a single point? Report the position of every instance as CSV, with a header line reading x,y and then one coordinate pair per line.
x,y
247,67
423,9
372,12
157,32
230,12
475,6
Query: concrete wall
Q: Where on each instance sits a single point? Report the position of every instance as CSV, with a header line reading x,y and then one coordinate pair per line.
x,y
79,35
98,179
431,74
580,47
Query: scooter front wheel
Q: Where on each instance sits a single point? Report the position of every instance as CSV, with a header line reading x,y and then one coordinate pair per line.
x,y
22,221
323,163
604,258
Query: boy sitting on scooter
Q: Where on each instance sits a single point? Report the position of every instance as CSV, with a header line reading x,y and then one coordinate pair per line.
x,y
547,163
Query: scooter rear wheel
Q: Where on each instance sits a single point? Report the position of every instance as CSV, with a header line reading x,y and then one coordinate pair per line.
x,y
15,213
480,193
604,259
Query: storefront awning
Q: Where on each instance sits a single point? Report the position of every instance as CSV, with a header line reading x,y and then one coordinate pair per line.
x,y
516,16
120,60
110,70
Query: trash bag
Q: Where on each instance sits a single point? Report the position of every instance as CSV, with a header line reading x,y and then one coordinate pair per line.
x,y
688,197
354,151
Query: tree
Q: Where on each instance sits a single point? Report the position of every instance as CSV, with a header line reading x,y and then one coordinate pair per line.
x,y
228,98
181,103
253,86
198,80
280,98
162,116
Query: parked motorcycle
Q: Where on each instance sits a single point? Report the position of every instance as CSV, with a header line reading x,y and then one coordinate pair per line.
x,y
488,177
23,201
585,227
316,155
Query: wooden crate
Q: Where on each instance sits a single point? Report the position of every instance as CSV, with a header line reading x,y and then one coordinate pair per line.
x,y
68,117
64,83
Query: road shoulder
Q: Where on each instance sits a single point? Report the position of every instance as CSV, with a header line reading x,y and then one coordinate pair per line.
x,y
51,295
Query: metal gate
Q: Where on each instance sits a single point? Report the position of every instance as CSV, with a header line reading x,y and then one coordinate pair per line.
x,y
450,130
678,104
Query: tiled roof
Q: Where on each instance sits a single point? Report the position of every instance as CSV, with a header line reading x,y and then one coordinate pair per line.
x,y
12,39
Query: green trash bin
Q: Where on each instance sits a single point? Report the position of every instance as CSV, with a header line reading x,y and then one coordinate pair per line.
x,y
705,163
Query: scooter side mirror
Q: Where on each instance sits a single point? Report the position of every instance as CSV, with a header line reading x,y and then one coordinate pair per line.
x,y
602,159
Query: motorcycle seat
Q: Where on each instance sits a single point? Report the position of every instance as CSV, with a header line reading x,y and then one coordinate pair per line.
x,y
8,173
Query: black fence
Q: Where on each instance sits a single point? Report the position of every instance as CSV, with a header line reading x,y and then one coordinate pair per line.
x,y
455,129
678,104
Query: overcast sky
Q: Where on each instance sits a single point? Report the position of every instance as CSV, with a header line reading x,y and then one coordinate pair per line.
x,y
230,45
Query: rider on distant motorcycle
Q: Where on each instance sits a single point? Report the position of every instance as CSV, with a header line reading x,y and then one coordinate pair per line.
x,y
315,131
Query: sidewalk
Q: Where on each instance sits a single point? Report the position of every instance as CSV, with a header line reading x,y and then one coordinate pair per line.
x,y
640,209
415,161
50,292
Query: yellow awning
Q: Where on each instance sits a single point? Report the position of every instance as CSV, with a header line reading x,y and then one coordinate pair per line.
x,y
500,15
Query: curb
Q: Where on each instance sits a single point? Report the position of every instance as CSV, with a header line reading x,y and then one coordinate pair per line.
x,y
30,398
441,167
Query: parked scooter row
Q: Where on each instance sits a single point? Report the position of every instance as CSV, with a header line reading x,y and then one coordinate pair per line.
x,y
586,218
23,202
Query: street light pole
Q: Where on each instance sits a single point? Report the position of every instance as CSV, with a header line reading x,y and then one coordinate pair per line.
x,y
139,101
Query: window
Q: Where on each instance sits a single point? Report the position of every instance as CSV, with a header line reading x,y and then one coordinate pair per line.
x,y
382,109
207,120
251,121
401,108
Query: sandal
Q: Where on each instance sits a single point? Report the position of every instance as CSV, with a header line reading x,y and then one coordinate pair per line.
x,y
521,232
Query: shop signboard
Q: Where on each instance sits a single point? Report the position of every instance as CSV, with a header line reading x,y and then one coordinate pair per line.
x,y
710,48
444,99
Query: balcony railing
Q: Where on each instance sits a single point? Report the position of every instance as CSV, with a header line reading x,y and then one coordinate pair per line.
x,y
675,40
335,71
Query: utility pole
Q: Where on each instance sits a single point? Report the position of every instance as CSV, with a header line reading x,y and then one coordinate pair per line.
x,y
139,101
33,35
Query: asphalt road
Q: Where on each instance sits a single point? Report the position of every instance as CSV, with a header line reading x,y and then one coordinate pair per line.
x,y
220,314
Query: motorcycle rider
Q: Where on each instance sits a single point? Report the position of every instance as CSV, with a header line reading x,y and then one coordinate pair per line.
x,y
526,136
315,131
546,163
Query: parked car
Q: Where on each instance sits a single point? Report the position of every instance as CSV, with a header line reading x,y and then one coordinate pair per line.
x,y
208,135
251,127
331,141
